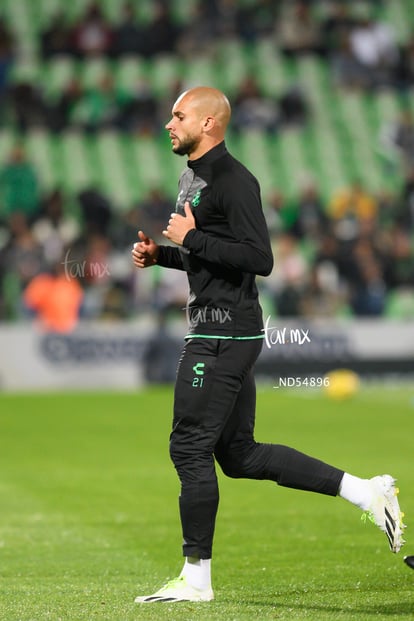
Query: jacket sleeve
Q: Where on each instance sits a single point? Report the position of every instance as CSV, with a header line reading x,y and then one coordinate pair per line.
x,y
250,250
169,256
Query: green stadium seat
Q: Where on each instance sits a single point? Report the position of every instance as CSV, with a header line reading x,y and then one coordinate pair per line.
x,y
364,144
399,13
76,162
324,152
270,69
200,71
39,152
232,65
26,70
93,70
182,11
343,132
164,71
110,162
253,152
7,140
128,71
23,20
57,73
148,168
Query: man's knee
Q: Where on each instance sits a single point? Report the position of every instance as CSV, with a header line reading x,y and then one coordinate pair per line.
x,y
180,452
237,464
230,468
193,463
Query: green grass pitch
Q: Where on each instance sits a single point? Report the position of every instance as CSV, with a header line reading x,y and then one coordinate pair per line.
x,y
89,513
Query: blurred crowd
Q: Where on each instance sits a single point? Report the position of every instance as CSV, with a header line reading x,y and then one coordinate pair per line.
x,y
361,49
350,255
64,257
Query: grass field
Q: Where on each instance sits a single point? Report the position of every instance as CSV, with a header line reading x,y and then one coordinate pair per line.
x,y
89,519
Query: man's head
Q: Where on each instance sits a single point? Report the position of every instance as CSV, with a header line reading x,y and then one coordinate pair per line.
x,y
199,120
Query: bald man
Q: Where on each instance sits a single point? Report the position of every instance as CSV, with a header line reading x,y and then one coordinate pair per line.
x,y
218,235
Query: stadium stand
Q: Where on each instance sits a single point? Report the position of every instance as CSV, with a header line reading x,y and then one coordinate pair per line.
x,y
338,143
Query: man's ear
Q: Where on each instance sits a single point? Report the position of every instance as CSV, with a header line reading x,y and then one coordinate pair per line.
x,y
209,123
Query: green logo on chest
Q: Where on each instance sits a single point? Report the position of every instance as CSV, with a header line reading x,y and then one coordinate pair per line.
x,y
196,200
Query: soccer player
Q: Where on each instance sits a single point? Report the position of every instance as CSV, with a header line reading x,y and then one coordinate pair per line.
x,y
219,237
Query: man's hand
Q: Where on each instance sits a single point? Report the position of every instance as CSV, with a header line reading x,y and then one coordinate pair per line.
x,y
178,226
145,252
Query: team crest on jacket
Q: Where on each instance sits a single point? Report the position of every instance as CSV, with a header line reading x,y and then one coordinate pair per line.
x,y
190,188
196,200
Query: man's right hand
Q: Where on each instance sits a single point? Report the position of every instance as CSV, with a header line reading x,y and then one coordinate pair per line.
x,y
145,251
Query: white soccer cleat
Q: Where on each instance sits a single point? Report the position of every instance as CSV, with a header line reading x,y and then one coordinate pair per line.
x,y
385,510
177,590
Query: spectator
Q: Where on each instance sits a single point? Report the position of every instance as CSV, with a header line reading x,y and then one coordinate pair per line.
x,y
63,113
139,111
7,52
293,107
280,213
161,34
55,38
129,37
19,186
115,302
252,110
97,259
406,211
398,140
349,208
322,295
346,72
288,282
55,300
404,70
96,211
298,30
374,47
101,107
311,219
200,32
20,260
388,210
104,292
336,27
255,21
368,290
28,107
153,212
124,227
54,230
92,35
171,292
399,270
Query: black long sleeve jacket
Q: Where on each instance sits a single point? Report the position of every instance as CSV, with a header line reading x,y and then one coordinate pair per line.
x,y
228,248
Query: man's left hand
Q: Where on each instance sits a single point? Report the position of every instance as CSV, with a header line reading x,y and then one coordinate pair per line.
x,y
178,225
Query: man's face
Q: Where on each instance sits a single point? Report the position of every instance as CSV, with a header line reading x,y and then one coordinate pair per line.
x,y
185,127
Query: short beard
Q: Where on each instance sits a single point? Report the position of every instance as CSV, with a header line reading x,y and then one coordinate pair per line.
x,y
186,146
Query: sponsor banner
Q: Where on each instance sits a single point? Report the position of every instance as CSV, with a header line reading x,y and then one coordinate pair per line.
x,y
329,340
124,355
94,356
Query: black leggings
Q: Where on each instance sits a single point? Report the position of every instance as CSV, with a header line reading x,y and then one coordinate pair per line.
x,y
214,416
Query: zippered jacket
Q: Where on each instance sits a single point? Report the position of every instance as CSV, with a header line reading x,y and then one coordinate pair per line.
x,y
228,248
